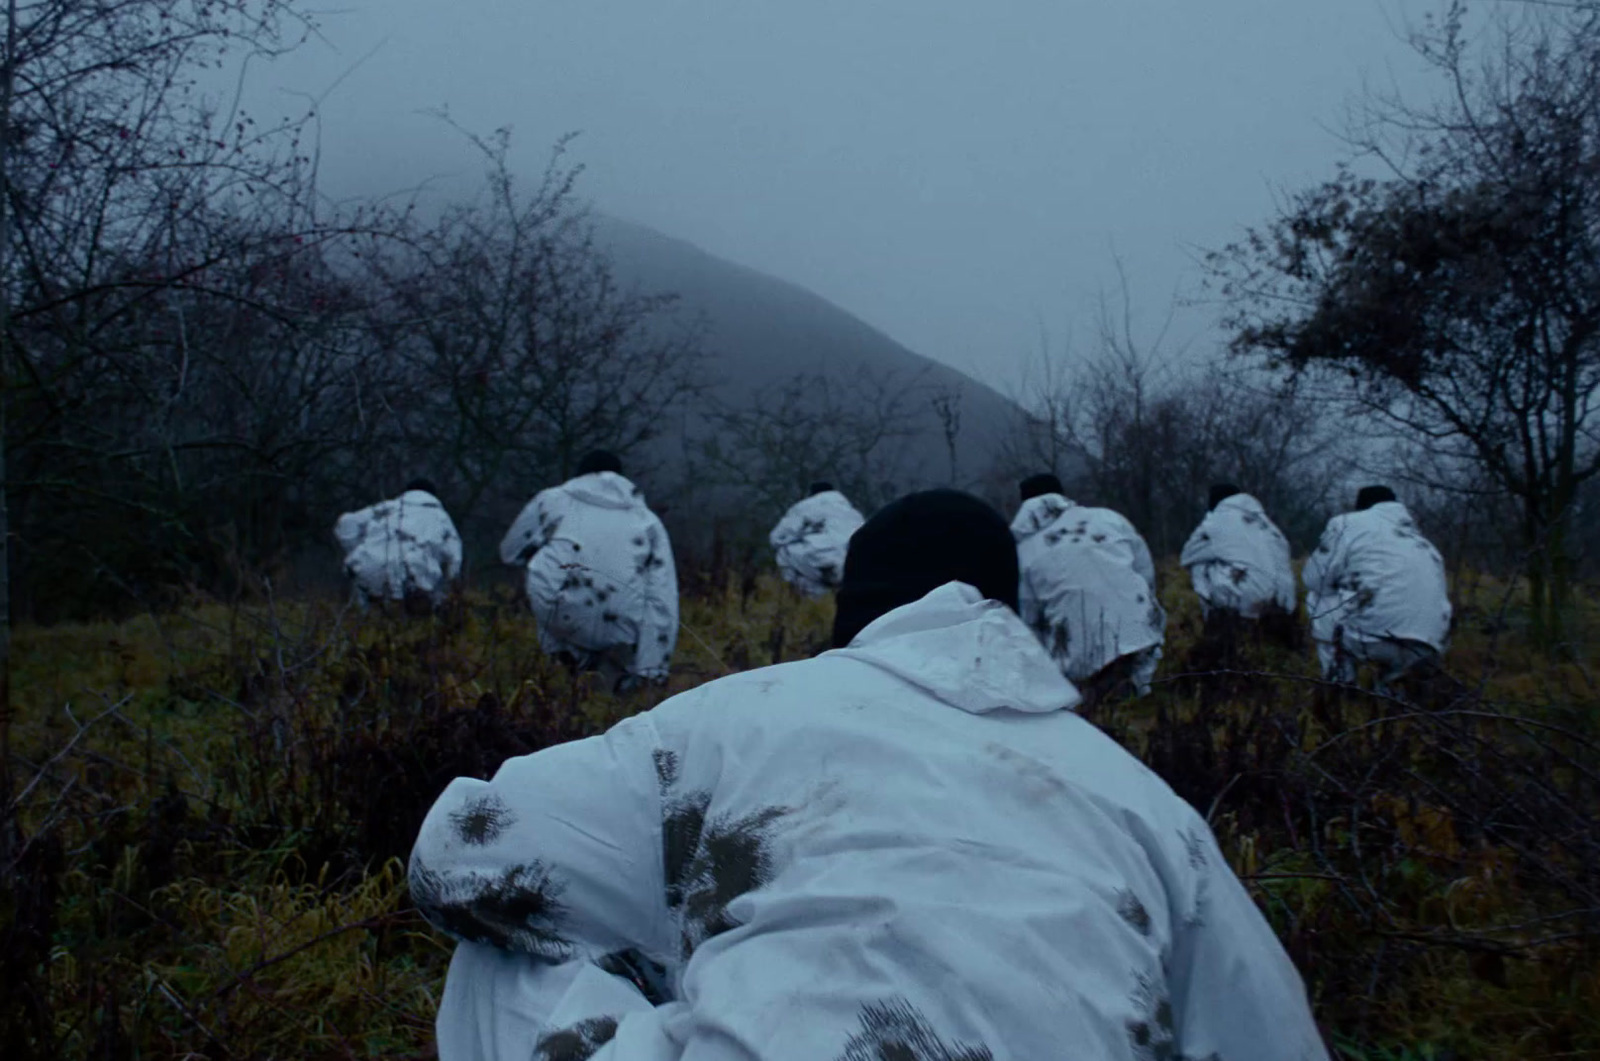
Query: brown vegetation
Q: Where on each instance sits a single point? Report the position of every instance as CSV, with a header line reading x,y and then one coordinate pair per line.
x,y
207,813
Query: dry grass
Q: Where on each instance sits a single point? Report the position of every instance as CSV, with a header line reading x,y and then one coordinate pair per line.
x,y
211,810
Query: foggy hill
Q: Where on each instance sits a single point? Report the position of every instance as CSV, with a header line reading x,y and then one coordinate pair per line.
x,y
763,331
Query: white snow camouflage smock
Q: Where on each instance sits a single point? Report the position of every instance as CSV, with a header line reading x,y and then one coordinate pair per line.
x,y
908,848
600,571
811,541
1375,579
1087,584
1238,560
396,546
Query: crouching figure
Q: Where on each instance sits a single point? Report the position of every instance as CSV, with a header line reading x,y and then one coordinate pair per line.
x,y
600,579
1376,592
907,847
811,539
1088,590
404,549
1238,561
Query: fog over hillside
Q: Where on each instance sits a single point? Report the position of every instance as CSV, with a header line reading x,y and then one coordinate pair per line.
x,y
762,332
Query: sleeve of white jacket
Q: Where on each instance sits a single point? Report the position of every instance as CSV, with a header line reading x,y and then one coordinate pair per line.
x,y
530,531
351,528
1029,609
1236,994
1197,549
1326,563
788,528
450,548
658,627
1143,562
499,1006
558,857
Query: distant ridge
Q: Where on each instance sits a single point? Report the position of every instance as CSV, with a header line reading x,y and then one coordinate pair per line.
x,y
764,331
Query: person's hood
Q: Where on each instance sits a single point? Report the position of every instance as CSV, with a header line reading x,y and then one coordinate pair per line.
x,y
1241,503
1037,513
969,652
605,490
420,497
831,498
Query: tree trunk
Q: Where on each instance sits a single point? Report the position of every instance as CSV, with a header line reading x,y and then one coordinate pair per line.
x,y
1549,573
1559,596
7,81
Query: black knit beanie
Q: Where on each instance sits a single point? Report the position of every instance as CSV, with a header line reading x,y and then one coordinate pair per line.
x,y
1220,492
425,485
1373,495
1039,485
599,460
912,546
820,487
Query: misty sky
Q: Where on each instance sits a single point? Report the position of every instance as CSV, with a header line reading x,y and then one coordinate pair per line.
x,y
957,174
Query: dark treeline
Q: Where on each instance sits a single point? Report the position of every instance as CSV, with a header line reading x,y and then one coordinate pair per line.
x,y
205,361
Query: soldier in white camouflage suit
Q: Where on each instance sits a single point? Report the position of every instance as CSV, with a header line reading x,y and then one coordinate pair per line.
x,y
600,580
811,539
1088,590
1376,592
1238,559
403,549
1239,563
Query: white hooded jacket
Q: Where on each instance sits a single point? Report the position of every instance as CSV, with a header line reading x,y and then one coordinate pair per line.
x,y
403,544
1088,584
911,847
600,571
1374,577
811,541
1239,560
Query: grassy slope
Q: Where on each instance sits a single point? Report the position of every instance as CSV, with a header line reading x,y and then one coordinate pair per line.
x,y
215,808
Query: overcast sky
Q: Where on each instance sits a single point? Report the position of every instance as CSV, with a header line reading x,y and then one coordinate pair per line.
x,y
957,174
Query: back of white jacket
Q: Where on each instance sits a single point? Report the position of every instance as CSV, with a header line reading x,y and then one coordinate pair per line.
x,y
406,543
1088,584
811,541
1377,577
600,570
1239,560
909,848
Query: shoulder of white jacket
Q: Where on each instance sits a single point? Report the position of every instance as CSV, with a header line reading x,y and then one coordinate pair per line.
x,y
547,495
1031,517
738,690
1339,522
835,498
1390,510
1111,518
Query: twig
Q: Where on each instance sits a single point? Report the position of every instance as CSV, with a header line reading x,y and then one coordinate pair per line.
x,y
178,1003
239,978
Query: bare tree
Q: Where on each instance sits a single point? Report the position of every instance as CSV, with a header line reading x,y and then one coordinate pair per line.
x,y
180,349
1134,426
1457,301
946,402
527,348
8,78
854,431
